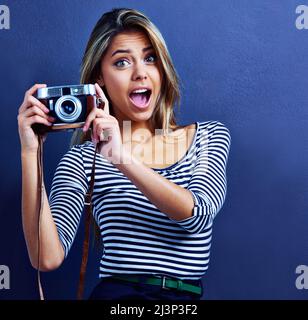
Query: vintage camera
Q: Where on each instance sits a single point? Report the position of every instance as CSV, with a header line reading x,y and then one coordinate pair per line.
x,y
69,105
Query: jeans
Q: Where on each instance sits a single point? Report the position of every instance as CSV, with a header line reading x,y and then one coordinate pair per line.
x,y
112,289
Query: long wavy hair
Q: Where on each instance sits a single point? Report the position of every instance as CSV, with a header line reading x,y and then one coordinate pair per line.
x,y
108,26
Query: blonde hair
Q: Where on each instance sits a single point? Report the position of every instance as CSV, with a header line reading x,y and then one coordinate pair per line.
x,y
108,26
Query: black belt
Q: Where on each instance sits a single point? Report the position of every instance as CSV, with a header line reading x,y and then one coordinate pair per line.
x,y
164,282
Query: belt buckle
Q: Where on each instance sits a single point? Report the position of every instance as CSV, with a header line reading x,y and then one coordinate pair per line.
x,y
164,283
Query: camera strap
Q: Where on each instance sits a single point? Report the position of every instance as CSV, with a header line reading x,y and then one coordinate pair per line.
x,y
88,210
88,215
40,209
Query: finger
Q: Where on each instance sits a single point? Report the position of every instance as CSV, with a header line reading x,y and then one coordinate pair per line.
x,y
33,89
95,133
36,110
100,113
104,135
101,94
93,115
32,101
101,130
37,119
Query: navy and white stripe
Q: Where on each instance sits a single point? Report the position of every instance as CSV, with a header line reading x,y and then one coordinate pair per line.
x,y
137,237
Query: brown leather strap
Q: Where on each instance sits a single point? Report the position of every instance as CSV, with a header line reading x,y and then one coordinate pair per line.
x,y
40,209
88,209
85,247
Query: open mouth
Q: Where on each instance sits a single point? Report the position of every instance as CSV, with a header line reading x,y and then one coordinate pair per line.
x,y
141,97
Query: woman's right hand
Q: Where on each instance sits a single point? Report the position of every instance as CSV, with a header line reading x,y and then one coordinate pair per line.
x,y
31,111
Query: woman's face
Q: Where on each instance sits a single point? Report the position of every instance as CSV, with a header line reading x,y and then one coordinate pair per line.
x,y
131,75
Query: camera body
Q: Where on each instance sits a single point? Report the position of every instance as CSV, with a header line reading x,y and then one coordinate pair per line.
x,y
69,105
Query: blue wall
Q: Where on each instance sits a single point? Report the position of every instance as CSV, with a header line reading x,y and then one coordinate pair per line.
x,y
241,62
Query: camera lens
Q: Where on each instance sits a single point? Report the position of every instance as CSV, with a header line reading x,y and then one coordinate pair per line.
x,y
68,108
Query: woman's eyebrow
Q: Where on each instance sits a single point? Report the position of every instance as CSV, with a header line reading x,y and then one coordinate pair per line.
x,y
129,51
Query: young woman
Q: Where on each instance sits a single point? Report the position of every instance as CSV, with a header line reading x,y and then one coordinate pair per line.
x,y
158,186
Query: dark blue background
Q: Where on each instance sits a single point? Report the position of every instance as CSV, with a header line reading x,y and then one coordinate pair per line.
x,y
241,62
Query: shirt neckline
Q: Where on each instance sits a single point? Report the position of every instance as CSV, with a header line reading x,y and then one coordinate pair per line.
x,y
186,154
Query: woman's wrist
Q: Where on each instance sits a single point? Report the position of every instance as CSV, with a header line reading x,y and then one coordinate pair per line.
x,y
26,153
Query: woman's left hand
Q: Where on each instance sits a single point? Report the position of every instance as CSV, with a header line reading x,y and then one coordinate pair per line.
x,y
105,129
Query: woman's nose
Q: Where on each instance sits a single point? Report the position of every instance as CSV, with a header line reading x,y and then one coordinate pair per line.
x,y
139,72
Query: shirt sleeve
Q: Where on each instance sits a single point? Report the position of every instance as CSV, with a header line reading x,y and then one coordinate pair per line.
x,y
208,183
66,197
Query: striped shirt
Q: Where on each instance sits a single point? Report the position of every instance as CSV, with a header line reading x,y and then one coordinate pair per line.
x,y
137,237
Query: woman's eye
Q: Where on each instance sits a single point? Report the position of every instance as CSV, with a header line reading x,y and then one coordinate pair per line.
x,y
124,63
121,63
151,58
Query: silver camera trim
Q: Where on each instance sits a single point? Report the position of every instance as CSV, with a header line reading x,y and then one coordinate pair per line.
x,y
52,92
72,117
